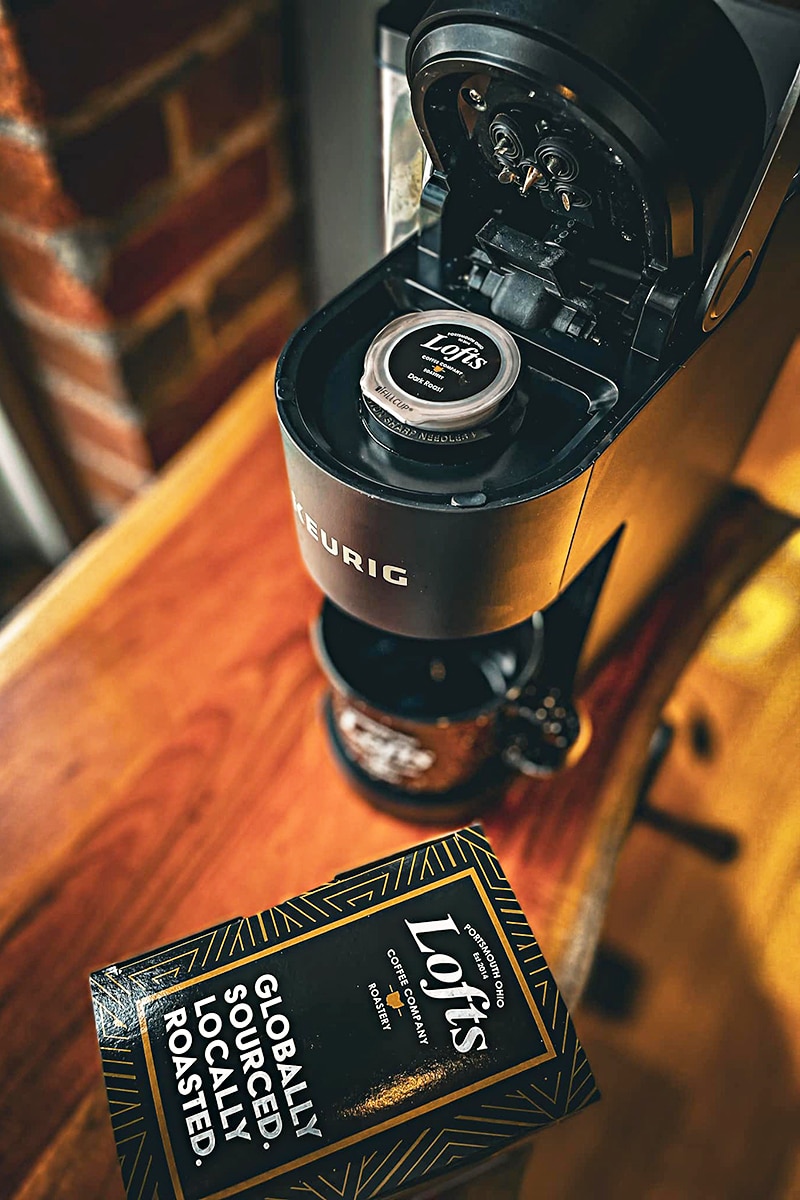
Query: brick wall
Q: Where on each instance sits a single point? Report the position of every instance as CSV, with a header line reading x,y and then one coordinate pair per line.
x,y
148,234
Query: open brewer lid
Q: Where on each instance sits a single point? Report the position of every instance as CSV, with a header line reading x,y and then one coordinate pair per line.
x,y
441,370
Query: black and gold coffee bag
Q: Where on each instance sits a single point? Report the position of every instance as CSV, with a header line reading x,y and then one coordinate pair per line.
x,y
368,1037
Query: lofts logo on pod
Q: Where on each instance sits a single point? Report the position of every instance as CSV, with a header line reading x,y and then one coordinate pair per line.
x,y
466,1006
452,351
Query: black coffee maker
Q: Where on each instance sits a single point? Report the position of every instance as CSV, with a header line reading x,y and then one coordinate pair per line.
x,y
501,438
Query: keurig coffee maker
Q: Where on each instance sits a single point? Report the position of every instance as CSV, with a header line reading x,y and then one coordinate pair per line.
x,y
500,439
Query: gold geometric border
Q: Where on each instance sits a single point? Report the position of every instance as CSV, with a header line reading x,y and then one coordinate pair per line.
x,y
489,1122
373,1130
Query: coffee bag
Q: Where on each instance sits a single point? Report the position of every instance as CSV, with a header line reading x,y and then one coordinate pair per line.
x,y
368,1037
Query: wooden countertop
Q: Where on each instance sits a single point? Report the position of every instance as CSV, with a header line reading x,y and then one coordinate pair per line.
x,y
165,768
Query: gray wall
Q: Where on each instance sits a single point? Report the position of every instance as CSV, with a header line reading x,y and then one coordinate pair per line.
x,y
338,82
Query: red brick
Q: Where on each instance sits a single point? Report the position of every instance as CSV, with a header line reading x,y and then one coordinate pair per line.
x,y
113,433
35,274
104,169
95,174
157,359
254,274
73,47
18,99
30,189
189,229
64,354
104,493
225,91
174,426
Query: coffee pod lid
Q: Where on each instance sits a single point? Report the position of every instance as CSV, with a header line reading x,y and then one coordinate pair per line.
x,y
445,369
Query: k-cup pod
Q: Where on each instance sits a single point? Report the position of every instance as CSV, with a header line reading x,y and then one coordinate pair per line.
x,y
337,1043
421,726
440,381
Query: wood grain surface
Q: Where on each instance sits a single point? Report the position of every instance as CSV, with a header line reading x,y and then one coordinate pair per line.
x,y
165,768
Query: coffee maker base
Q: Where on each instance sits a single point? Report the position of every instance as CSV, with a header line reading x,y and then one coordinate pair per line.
x,y
457,805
